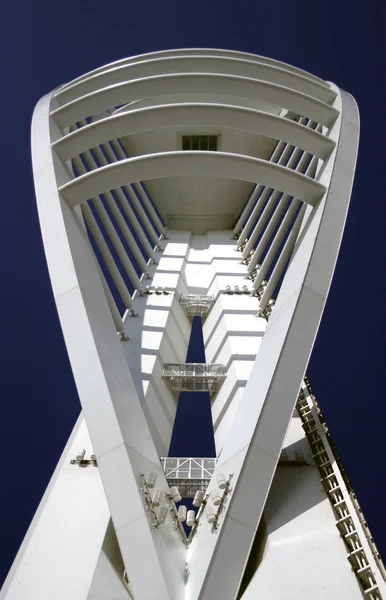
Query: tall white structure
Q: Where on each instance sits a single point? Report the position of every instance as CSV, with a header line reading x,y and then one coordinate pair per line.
x,y
248,165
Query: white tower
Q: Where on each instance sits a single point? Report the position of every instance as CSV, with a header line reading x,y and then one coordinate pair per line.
x,y
248,165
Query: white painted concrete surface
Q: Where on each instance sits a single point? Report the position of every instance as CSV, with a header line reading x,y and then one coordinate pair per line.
x,y
251,104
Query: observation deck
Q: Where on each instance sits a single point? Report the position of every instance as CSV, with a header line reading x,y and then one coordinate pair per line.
x,y
194,377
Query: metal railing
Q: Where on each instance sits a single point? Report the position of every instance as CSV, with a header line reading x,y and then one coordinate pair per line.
x,y
197,306
189,474
194,377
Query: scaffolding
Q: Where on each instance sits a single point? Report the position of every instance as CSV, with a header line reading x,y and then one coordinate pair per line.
x,y
194,377
197,306
189,474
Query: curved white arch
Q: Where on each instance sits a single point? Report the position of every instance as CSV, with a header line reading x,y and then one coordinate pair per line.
x,y
193,114
122,437
285,351
195,52
195,64
192,83
177,164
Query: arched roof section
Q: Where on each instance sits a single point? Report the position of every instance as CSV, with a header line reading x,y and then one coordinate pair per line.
x,y
197,115
192,83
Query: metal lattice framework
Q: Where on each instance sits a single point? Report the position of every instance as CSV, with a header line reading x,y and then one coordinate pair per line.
x,y
188,468
189,474
195,305
194,377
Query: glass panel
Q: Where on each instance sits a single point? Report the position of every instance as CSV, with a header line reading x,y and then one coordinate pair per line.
x,y
212,143
203,142
195,142
183,472
186,142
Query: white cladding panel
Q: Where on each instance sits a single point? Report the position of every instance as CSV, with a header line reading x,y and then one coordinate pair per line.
x,y
196,203
304,556
49,564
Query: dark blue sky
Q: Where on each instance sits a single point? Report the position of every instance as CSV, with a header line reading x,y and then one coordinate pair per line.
x,y
46,43
194,412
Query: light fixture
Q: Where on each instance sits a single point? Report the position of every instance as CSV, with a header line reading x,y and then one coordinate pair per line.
x,y
210,514
191,518
175,494
150,483
228,289
81,455
163,513
157,498
198,498
216,498
181,515
237,289
221,481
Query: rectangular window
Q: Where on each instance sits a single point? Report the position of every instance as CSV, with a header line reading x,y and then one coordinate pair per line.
x,y
199,142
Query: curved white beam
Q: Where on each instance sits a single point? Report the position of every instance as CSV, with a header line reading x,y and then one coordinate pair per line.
x,y
195,64
176,164
189,115
259,428
194,83
196,52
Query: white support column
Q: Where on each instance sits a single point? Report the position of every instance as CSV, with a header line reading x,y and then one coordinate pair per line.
x,y
246,233
135,223
144,197
118,215
282,205
114,237
276,215
289,164
276,243
267,211
111,302
118,322
133,197
107,257
279,156
282,261
261,193
255,194
126,205
143,216
150,208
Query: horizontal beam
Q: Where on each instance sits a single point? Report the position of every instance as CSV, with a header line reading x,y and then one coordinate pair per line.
x,y
193,115
194,83
176,164
194,52
222,65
